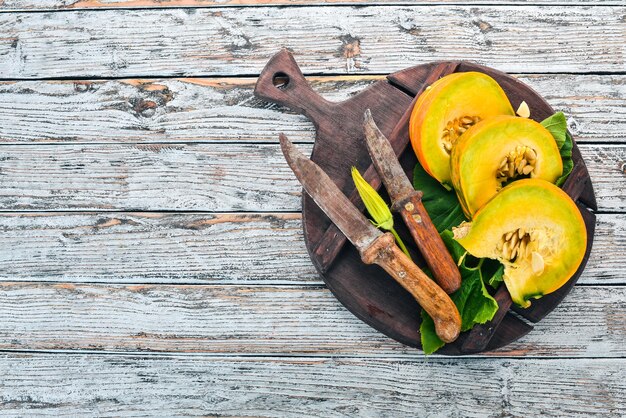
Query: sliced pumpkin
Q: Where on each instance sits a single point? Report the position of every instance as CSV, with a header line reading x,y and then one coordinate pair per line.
x,y
445,110
534,229
498,150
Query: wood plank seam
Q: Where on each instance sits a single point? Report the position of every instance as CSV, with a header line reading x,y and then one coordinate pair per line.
x,y
413,36
86,5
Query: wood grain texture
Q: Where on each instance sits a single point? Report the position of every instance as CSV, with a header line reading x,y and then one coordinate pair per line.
x,y
155,248
197,177
607,164
224,109
164,110
11,5
222,177
228,288
263,320
201,249
294,387
178,42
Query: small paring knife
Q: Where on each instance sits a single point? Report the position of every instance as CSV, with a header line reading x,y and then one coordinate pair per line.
x,y
408,202
374,246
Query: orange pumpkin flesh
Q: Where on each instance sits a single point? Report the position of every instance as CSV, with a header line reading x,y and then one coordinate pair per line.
x,y
445,110
498,150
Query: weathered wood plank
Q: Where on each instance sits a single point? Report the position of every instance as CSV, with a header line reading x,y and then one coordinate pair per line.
x,y
10,5
295,387
224,109
201,249
222,177
607,165
203,177
595,106
176,42
263,320
155,248
166,110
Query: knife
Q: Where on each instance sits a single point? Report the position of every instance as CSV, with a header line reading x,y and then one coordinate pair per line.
x,y
408,202
374,246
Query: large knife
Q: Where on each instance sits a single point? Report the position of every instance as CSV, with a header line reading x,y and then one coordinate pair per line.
x,y
408,202
374,246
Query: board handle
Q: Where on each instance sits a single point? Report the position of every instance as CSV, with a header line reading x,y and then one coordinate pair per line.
x,y
282,82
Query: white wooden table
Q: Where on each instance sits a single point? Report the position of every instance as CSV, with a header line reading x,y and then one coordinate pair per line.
x,y
151,253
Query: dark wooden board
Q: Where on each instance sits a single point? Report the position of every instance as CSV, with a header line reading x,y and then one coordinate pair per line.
x,y
367,291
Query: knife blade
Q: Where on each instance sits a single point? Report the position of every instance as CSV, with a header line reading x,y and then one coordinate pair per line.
x,y
374,246
408,202
350,221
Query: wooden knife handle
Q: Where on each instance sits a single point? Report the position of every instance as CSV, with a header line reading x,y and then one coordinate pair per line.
x,y
431,297
429,242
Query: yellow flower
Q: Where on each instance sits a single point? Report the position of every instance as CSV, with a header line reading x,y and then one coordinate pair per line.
x,y
376,206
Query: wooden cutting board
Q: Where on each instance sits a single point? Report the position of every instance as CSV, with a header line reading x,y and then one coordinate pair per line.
x,y
366,290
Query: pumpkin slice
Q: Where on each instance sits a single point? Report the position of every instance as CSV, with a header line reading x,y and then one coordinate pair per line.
x,y
535,230
448,108
497,150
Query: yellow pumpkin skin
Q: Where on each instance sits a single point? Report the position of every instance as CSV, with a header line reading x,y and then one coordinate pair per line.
x,y
556,232
471,94
477,156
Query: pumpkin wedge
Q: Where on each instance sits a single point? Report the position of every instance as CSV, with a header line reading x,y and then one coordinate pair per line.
x,y
534,229
498,150
445,110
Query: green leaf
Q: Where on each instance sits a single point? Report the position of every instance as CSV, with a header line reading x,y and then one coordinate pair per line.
x,y
455,249
473,301
441,204
475,304
430,341
557,125
566,156
493,271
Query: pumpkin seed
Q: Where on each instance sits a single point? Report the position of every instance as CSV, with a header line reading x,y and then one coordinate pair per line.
x,y
537,263
521,165
523,110
514,239
456,128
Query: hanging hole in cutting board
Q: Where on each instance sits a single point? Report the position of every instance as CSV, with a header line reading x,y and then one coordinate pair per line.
x,y
280,80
